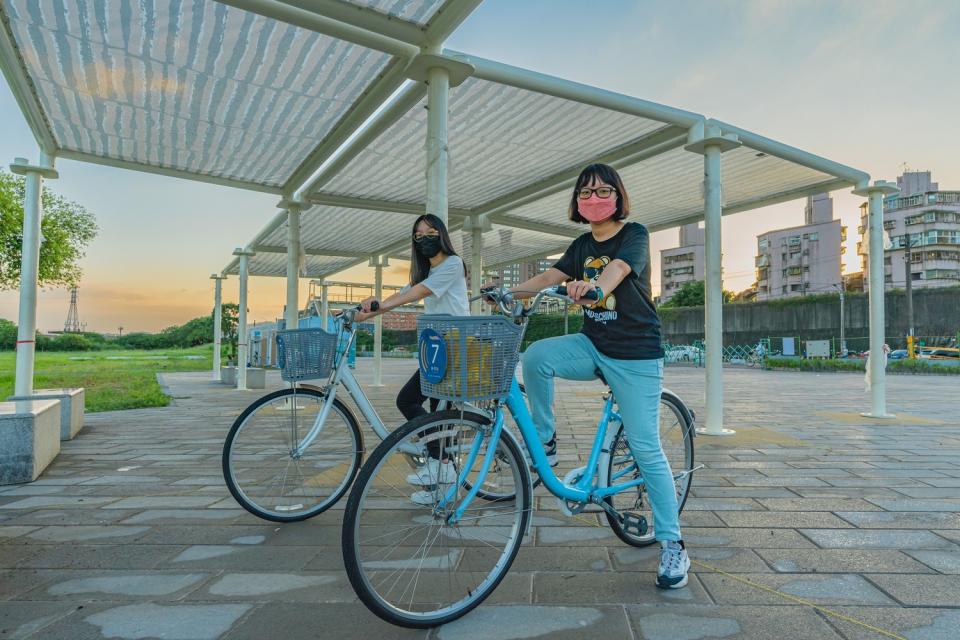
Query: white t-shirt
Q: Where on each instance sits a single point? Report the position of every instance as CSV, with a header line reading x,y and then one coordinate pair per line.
x,y
448,287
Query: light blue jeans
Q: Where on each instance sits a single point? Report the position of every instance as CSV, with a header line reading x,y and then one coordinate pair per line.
x,y
636,385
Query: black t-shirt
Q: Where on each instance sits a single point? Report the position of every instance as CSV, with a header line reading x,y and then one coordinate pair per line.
x,y
624,325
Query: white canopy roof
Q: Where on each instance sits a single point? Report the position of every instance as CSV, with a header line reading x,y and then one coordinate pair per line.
x,y
323,100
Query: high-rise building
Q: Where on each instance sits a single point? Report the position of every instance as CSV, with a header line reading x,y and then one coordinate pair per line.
x,y
682,264
802,260
513,274
929,220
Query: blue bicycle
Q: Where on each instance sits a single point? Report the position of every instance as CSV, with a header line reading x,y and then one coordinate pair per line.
x,y
425,565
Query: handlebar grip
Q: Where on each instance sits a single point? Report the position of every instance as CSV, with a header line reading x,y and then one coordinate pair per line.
x,y
375,306
589,295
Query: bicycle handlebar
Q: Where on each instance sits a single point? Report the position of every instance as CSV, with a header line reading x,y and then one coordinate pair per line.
x,y
504,297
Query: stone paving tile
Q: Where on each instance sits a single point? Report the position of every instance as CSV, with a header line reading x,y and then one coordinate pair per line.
x,y
920,590
562,622
57,502
840,561
943,561
817,504
111,586
613,588
16,582
740,492
213,533
724,558
208,621
656,623
789,519
89,534
722,504
874,539
112,556
8,532
901,519
167,516
910,623
745,537
830,589
352,622
45,517
302,586
238,557
917,505
22,619
163,502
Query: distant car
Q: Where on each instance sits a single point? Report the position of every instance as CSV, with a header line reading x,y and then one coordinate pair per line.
x,y
899,354
924,353
944,353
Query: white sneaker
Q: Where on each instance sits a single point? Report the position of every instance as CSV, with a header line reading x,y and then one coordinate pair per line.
x,y
674,565
432,473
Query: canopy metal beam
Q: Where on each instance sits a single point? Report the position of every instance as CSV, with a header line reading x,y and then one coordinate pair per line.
x,y
385,206
168,172
349,13
501,73
327,26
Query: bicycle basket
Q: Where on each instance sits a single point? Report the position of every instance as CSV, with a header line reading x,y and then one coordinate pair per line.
x,y
482,354
305,354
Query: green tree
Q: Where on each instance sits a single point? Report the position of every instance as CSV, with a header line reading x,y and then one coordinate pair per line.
x,y
67,229
692,294
8,335
229,327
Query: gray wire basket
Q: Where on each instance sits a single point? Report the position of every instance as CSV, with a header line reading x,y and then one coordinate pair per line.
x,y
482,354
305,354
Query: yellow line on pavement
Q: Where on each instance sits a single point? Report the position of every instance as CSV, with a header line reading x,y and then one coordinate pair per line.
x,y
787,596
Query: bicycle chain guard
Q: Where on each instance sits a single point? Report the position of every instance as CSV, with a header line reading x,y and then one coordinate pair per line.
x,y
568,507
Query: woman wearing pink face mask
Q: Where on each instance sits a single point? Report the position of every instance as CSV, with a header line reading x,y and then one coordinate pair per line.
x,y
620,339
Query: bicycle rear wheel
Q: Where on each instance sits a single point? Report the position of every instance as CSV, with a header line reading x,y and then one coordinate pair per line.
x,y
676,437
406,561
265,473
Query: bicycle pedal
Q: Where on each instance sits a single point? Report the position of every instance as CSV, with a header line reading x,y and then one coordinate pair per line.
x,y
634,523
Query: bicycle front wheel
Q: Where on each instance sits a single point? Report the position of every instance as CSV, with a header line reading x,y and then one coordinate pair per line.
x,y
407,559
267,473
676,438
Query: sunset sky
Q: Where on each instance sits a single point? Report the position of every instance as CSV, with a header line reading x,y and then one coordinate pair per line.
x,y
871,83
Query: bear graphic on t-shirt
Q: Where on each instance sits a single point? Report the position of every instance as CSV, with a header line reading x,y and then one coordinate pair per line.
x,y
592,269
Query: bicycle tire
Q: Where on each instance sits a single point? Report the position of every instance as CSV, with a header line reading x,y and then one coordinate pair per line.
x,y
680,411
251,505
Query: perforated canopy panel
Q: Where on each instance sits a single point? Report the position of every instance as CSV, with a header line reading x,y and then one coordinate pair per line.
x,y
194,86
500,138
275,264
418,11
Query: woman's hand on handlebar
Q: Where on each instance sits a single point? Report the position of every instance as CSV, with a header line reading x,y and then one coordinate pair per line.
x,y
489,286
367,305
583,293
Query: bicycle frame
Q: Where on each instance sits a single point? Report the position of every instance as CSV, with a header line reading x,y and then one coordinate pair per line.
x,y
342,375
585,490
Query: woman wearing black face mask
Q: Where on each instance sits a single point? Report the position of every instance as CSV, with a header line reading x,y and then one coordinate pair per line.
x,y
438,277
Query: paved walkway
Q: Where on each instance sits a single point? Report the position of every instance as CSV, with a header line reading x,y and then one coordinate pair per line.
x,y
131,532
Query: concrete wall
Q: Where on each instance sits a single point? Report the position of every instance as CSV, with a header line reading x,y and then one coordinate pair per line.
x,y
936,313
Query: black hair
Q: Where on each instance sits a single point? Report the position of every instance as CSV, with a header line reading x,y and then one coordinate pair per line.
x,y
420,265
603,173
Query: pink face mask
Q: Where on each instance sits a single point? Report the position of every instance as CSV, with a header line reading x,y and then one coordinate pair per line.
x,y
596,209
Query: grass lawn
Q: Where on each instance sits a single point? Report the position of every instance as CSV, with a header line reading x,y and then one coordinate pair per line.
x,y
113,379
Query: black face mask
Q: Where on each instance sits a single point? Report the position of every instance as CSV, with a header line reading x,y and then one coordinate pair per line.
x,y
428,246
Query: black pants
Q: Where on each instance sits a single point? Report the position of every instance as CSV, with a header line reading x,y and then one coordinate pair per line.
x,y
410,403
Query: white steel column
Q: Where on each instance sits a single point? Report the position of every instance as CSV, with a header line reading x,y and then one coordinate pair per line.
x,y
477,226
217,323
292,315
438,93
324,302
30,267
711,143
242,349
378,263
878,383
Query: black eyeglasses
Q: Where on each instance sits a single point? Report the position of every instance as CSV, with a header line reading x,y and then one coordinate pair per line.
x,y
602,192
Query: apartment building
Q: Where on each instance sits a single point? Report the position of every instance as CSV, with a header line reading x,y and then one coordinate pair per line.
x,y
682,264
